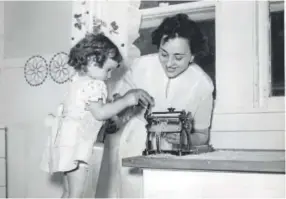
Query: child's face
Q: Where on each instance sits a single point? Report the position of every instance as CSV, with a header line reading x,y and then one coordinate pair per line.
x,y
103,73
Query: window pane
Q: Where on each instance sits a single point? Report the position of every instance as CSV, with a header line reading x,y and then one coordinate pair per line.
x,y
277,53
153,4
205,60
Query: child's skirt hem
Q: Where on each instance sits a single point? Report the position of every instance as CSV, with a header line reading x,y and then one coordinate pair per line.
x,y
64,159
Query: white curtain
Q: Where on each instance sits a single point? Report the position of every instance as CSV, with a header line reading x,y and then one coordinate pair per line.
x,y
125,12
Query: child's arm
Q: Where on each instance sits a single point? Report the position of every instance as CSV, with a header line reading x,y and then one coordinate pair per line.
x,y
103,111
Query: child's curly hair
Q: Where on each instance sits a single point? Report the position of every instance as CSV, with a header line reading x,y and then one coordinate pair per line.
x,y
98,46
180,26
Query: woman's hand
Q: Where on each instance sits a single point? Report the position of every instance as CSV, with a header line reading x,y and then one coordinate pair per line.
x,y
138,96
174,138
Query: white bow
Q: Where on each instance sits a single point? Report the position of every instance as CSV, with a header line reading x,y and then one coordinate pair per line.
x,y
54,121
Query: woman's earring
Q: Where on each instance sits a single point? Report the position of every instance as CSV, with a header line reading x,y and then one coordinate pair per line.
x,y
192,60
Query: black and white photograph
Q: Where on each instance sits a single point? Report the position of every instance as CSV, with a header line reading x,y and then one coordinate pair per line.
x,y
142,99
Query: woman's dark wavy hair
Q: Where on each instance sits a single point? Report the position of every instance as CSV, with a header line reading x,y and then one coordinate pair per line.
x,y
180,26
98,46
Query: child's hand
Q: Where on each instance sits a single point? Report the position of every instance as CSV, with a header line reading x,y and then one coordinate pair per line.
x,y
116,96
138,96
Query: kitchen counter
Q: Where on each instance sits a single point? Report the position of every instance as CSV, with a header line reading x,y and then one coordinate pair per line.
x,y
265,161
219,174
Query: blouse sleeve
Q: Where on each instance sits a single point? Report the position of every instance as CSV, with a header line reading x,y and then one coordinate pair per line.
x,y
204,109
128,80
93,91
202,117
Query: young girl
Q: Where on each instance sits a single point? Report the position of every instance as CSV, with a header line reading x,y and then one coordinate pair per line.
x,y
70,148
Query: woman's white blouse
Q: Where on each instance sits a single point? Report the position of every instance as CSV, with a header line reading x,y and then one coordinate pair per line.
x,y
191,91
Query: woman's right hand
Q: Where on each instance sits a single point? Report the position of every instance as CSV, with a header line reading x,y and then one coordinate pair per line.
x,y
135,96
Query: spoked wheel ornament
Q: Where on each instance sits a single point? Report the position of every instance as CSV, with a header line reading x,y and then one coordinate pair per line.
x,y
60,71
36,70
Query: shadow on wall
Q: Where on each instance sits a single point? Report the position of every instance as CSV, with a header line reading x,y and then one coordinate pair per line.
x,y
57,179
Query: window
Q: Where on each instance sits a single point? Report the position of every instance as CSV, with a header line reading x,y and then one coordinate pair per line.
x,y
277,49
153,4
206,24
269,89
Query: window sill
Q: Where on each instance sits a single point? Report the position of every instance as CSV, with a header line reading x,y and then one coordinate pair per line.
x,y
197,11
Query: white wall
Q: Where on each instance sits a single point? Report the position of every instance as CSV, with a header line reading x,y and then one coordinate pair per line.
x,y
36,27
236,124
23,111
1,30
202,184
30,28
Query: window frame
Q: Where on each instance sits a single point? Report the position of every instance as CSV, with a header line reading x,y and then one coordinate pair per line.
x,y
262,69
204,10
238,111
198,11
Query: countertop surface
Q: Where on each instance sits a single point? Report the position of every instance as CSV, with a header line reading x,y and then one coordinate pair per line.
x,y
265,161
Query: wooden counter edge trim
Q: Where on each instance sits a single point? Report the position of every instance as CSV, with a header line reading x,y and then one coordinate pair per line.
x,y
205,165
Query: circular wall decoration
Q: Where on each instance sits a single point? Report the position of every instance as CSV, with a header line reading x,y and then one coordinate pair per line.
x,y
60,71
36,70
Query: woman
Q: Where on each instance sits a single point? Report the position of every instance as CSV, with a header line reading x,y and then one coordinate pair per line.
x,y
174,80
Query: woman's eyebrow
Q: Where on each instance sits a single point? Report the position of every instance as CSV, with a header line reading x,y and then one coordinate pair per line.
x,y
163,50
174,54
179,54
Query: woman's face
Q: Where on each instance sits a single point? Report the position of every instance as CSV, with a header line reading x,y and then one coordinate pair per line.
x,y
175,56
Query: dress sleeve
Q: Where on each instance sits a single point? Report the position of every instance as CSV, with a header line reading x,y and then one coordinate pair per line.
x,y
93,91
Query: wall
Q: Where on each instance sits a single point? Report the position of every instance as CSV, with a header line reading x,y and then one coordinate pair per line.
x,y
210,184
30,28
42,26
23,111
1,30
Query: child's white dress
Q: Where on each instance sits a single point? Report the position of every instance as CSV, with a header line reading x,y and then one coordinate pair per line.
x,y
75,129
